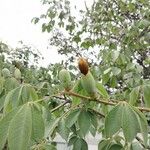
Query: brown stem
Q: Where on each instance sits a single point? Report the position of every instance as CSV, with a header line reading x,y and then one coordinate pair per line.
x,y
103,101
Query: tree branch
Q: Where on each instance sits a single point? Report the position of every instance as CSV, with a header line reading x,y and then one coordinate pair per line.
x,y
103,101
59,106
97,112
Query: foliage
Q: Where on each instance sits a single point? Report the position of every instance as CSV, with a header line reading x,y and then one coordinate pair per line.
x,y
114,36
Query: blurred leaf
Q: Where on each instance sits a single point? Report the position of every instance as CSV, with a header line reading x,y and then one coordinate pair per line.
x,y
130,125
80,144
113,121
102,90
72,118
63,130
37,124
146,93
134,95
20,128
4,126
84,121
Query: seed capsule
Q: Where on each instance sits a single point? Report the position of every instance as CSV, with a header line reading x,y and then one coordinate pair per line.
x,y
83,66
65,79
89,84
6,73
17,73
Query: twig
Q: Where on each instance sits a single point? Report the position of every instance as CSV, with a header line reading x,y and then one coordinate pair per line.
x,y
59,106
104,101
95,111
90,98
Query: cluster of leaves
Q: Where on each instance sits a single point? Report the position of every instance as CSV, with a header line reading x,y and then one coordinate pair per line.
x,y
34,113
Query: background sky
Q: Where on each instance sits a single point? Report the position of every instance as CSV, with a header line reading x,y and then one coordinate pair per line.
x,y
15,25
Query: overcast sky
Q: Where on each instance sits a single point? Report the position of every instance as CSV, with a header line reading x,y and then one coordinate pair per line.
x,y
15,25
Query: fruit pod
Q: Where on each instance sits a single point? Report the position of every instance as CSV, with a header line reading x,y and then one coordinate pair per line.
x,y
83,66
6,73
17,73
65,79
88,83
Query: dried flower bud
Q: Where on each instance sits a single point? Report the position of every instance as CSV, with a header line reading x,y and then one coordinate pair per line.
x,y
83,66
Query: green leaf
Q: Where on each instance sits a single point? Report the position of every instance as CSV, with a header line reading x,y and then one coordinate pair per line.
x,y
77,145
11,84
116,71
80,144
130,124
84,145
84,121
113,81
116,147
2,100
72,140
142,121
51,126
104,144
63,130
94,119
37,124
4,126
115,55
102,90
19,96
20,129
136,146
134,95
72,118
146,92
113,120
49,147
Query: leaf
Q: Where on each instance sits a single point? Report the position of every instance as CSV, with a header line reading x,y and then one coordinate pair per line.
x,y
94,119
115,55
11,84
20,129
146,93
116,71
136,146
116,147
80,144
113,121
134,95
77,145
72,118
102,90
38,127
4,126
104,144
72,140
84,121
49,147
51,126
142,121
63,130
19,96
2,100
84,145
130,124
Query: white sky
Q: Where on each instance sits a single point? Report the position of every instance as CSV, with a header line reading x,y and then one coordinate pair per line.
x,y
15,25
